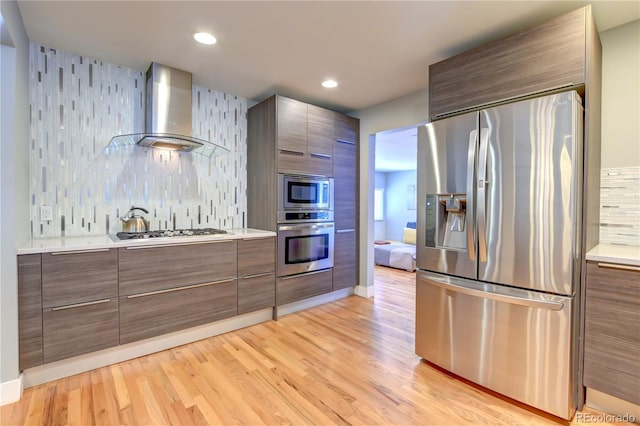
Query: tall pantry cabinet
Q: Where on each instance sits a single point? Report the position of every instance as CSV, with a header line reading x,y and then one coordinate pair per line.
x,y
288,136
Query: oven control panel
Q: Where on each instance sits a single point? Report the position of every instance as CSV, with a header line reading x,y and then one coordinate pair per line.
x,y
305,216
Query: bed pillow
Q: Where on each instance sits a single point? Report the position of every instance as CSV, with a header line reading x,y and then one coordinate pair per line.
x,y
409,236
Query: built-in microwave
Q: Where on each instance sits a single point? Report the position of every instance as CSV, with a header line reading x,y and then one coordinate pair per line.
x,y
304,192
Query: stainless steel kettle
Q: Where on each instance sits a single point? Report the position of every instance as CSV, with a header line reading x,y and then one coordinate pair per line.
x,y
132,222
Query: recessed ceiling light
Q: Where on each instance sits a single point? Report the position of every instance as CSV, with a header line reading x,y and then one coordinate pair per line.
x,y
204,38
329,84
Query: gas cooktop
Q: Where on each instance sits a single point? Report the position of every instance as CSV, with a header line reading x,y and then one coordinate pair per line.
x,y
169,233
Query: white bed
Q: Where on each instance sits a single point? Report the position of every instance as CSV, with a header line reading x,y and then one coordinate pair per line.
x,y
396,254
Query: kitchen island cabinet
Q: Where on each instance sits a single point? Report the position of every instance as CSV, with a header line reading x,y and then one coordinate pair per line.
x,y
612,330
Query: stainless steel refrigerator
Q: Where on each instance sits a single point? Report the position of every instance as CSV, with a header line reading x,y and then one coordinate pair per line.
x,y
498,248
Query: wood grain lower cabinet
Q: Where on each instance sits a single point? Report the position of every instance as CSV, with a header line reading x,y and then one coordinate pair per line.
x,y
256,256
299,287
256,274
345,265
612,331
152,314
256,292
30,310
150,268
79,276
78,329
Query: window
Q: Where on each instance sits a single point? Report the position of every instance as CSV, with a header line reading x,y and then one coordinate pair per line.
x,y
378,204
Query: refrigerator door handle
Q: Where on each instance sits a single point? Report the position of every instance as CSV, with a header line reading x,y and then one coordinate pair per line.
x,y
471,167
458,285
482,196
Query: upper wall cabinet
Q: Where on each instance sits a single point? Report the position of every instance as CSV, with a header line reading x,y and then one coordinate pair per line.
x,y
304,138
543,58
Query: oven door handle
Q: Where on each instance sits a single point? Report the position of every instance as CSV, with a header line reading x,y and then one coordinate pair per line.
x,y
305,226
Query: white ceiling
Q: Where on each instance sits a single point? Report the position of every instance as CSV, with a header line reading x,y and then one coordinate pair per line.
x,y
396,150
377,51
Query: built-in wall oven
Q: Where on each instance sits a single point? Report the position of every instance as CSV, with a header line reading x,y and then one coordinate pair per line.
x,y
304,247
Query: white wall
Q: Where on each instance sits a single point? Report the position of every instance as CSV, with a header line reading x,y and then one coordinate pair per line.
x,y
406,111
621,96
397,213
14,205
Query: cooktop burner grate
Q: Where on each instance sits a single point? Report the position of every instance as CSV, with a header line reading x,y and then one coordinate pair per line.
x,y
169,233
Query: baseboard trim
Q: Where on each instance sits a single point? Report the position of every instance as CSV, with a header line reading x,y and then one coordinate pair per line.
x,y
11,391
364,291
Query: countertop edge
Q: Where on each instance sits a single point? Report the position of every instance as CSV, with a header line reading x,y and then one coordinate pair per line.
x,y
39,246
610,253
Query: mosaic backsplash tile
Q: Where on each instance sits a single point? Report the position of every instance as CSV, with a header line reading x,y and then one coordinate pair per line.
x,y
77,104
620,206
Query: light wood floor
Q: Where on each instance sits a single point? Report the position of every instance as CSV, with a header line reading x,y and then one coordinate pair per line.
x,y
346,362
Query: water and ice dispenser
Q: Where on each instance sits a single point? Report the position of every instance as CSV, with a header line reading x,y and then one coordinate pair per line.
x,y
446,221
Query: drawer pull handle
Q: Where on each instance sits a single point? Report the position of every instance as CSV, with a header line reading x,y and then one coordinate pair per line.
x,y
59,253
178,244
79,305
289,151
617,266
291,277
345,141
256,239
171,290
246,277
344,231
315,154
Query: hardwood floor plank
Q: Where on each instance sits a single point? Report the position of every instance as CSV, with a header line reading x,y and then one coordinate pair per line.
x,y
351,361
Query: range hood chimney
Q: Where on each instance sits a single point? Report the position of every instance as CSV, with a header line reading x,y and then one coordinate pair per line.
x,y
168,114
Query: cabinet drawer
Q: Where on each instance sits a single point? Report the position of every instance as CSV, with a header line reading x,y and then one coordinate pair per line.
x,y
256,292
612,332
88,327
298,287
77,277
30,310
151,268
151,314
256,256
345,267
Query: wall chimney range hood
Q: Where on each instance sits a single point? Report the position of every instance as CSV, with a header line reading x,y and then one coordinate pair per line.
x,y
168,115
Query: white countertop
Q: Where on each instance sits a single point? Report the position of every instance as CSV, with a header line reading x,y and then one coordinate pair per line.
x,y
626,255
48,245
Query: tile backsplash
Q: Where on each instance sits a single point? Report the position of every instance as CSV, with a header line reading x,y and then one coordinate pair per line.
x,y
620,206
77,105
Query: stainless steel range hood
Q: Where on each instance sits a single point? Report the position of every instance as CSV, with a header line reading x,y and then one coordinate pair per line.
x,y
168,114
